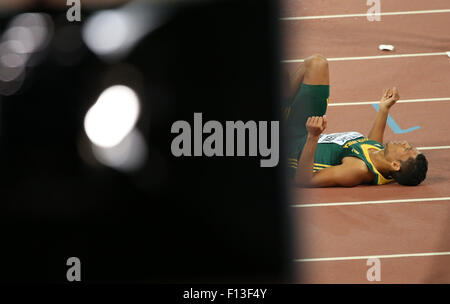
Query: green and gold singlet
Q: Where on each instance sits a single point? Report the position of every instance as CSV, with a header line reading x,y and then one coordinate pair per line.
x,y
332,148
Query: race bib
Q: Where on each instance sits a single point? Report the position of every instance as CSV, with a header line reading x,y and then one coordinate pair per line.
x,y
338,138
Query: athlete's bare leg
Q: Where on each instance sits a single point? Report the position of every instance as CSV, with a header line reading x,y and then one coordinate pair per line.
x,y
314,70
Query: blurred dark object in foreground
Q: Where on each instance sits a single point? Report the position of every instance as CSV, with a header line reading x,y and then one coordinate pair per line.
x,y
199,219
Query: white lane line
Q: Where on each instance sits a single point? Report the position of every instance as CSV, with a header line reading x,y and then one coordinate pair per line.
x,y
386,256
336,104
412,200
365,15
373,57
433,148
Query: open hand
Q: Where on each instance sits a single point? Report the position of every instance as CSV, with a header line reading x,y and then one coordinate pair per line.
x,y
315,125
390,97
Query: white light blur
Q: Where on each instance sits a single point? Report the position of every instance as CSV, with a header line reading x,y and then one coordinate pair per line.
x,y
127,156
106,32
33,30
12,61
111,34
25,35
112,117
22,35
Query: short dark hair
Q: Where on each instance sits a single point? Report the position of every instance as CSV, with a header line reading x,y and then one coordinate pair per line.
x,y
412,172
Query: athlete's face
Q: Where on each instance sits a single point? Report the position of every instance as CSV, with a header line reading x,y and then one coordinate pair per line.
x,y
399,151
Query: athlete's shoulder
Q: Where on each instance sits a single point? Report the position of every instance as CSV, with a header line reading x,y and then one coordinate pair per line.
x,y
359,167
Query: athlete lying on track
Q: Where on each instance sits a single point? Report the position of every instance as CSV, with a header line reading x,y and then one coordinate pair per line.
x,y
342,159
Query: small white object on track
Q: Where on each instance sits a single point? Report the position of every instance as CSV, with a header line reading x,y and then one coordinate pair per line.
x,y
448,54
386,47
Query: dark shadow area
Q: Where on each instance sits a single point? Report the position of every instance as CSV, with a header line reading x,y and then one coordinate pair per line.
x,y
174,219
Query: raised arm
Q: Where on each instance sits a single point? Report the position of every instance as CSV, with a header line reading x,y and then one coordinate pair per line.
x,y
315,125
389,98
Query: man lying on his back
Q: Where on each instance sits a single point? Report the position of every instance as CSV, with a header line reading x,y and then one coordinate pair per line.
x,y
348,158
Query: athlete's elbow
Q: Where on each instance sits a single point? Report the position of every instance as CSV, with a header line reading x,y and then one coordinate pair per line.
x,y
303,182
350,182
350,185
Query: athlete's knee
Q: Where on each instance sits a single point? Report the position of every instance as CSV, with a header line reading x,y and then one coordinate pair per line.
x,y
316,61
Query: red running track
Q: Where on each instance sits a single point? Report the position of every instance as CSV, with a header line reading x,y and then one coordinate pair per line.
x,y
412,237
